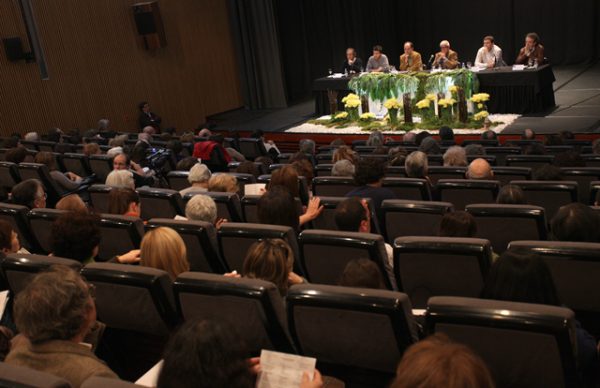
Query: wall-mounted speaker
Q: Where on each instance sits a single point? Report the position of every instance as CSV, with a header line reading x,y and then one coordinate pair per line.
x,y
13,47
149,25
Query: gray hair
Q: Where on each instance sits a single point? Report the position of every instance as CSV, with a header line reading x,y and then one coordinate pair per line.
x,y
375,139
31,136
474,149
121,179
307,146
455,156
53,306
409,137
199,173
103,124
201,208
343,167
416,165
118,141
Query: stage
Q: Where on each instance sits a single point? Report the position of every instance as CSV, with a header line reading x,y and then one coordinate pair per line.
x,y
576,90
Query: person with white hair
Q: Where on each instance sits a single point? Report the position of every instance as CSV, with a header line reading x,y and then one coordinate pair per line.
x,y
198,177
121,179
446,58
416,165
203,208
31,136
343,167
455,156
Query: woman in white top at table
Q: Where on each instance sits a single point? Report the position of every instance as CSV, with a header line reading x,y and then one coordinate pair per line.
x,y
489,55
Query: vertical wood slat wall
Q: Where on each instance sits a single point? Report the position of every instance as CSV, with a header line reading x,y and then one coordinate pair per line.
x,y
98,69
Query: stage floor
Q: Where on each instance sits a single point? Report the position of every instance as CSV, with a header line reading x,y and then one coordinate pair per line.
x,y
577,93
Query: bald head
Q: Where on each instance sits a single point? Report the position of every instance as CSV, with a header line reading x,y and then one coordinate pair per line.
x,y
480,169
149,130
528,134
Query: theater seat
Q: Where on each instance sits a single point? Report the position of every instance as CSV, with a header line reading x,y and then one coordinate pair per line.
x,y
575,268
18,268
16,376
250,207
524,345
463,192
325,253
160,203
584,176
101,165
502,224
412,218
507,174
409,188
40,222
76,163
435,173
431,266
16,216
532,161
253,307
302,186
236,238
200,239
252,148
99,197
550,195
228,205
352,329
9,176
120,234
326,219
178,180
323,169
41,173
594,190
501,153
332,186
107,382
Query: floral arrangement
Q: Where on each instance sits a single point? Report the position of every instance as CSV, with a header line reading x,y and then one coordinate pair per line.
x,y
393,105
367,116
480,116
479,104
424,103
446,102
351,101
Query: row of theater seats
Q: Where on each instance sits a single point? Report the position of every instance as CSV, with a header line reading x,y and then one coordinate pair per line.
x,y
348,330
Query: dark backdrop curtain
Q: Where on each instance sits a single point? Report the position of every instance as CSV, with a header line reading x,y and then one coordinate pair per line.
x,y
313,34
256,38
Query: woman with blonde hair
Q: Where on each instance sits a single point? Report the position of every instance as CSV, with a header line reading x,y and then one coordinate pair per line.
x,y
344,153
163,248
72,202
223,183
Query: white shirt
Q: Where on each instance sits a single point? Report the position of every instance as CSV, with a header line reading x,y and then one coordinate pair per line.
x,y
484,56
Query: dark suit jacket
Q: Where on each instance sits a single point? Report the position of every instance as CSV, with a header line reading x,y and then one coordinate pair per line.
x,y
355,67
538,54
151,120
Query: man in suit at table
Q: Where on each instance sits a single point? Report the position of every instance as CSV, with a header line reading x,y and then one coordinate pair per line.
x,y
352,64
446,58
410,60
533,50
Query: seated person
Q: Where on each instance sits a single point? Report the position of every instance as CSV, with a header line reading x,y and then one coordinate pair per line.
x,y
457,224
122,162
212,154
410,60
480,169
77,236
202,208
29,193
352,64
147,118
278,207
445,58
54,314
270,145
9,240
437,361
16,155
576,222
198,177
511,195
343,167
489,55
223,183
67,181
186,164
369,177
489,135
446,135
430,146
362,273
547,172
248,167
378,62
455,156
532,53
344,153
474,149
125,202
163,248
120,179
417,165
73,203
90,149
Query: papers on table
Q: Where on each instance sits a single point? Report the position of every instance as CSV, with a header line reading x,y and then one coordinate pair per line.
x,y
254,189
518,67
418,312
150,378
336,75
282,370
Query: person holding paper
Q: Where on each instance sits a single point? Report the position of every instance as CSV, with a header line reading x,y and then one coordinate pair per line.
x,y
352,64
490,55
378,62
410,60
446,58
533,52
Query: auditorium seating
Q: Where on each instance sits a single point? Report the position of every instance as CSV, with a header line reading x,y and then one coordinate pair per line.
x,y
594,190
412,218
583,176
326,220
501,153
444,172
463,192
324,254
101,165
76,163
524,345
323,169
532,161
507,174
332,186
591,160
409,188
302,186
40,222
18,268
228,205
120,234
431,266
200,239
99,197
178,180
236,238
351,328
482,142
501,224
250,207
107,382
252,148
41,173
160,203
550,195
16,216
22,377
9,175
253,307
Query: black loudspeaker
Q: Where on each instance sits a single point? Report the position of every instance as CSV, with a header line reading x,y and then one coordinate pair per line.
x,y
14,49
148,23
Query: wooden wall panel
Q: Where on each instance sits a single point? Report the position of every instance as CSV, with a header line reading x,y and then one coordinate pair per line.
x,y
98,69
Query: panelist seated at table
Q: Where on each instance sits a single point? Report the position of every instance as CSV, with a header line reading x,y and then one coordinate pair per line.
x,y
410,60
352,64
532,52
489,55
378,62
446,58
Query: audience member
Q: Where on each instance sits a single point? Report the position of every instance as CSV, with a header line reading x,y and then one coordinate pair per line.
x,y
534,148
124,201
203,208
569,159
474,150
362,273
248,167
546,172
480,169
409,138
307,146
198,177
337,142
528,134
163,248
31,136
489,135
304,168
343,167
344,153
90,149
286,176
576,222
420,136
120,179
186,164
429,146
596,146
457,224
67,181
16,155
397,156
416,165
455,156
369,177
9,239
270,145
73,203
11,142
375,139
511,195
54,313
122,162
223,183
29,193
439,362
446,135
553,140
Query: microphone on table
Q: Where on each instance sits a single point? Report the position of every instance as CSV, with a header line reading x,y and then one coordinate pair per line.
x,y
430,61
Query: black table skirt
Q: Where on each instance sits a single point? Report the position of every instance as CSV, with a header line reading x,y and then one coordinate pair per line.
x,y
522,92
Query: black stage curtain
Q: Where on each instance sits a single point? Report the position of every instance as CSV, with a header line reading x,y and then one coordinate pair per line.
x,y
255,34
313,34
